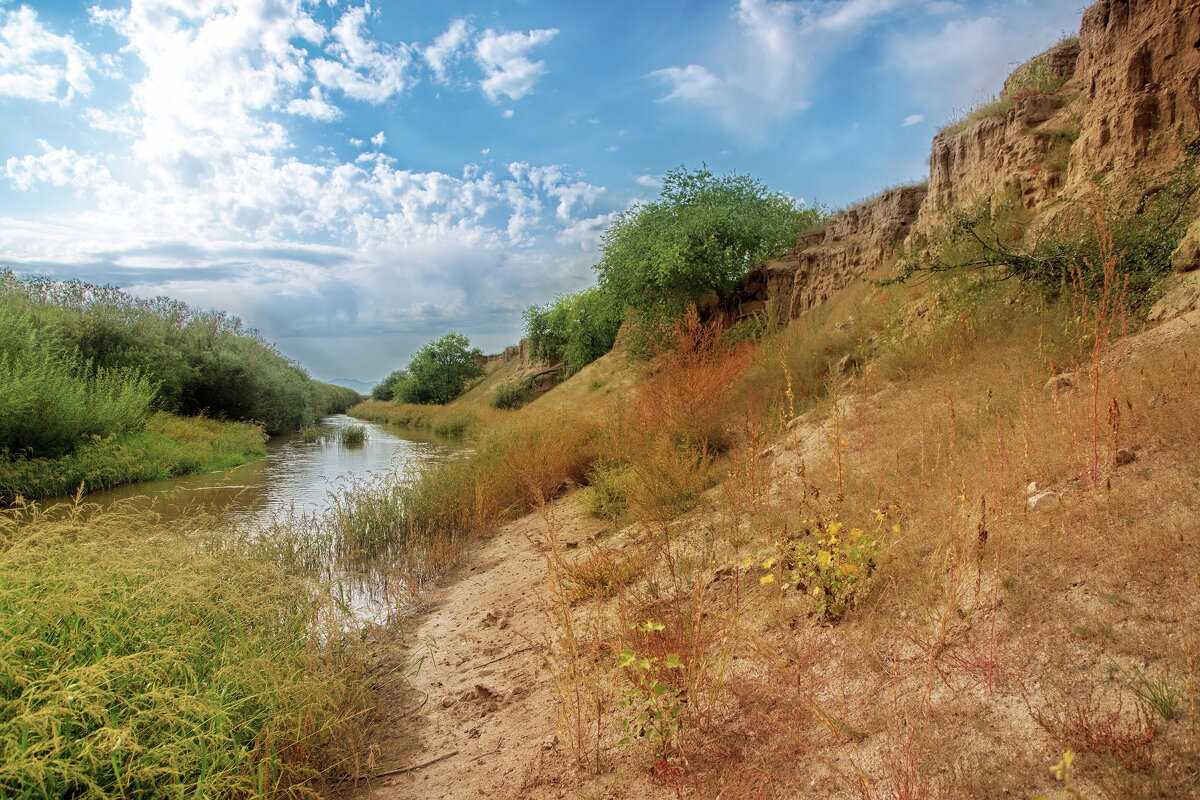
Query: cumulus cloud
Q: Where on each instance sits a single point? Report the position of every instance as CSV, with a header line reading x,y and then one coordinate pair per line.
x,y
57,166
315,107
649,181
365,68
36,64
447,49
504,57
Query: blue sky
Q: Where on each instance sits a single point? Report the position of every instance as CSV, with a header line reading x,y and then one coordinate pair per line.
x,y
357,178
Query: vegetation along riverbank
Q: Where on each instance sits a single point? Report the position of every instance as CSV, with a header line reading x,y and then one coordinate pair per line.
x,y
99,388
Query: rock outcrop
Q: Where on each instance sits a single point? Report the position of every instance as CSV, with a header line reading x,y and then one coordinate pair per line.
x,y
516,352
1126,107
1139,74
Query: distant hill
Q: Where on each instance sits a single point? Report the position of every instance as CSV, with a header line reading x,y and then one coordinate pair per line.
x,y
362,387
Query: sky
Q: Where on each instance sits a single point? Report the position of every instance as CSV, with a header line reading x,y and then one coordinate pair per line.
x,y
356,178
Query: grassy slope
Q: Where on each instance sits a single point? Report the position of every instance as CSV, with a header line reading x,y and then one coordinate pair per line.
x,y
170,445
970,634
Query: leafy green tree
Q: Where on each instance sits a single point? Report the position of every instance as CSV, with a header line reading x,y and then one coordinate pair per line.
x,y
700,237
439,371
386,388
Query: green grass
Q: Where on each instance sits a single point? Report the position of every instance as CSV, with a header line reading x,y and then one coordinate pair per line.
x,y
168,446
138,662
449,420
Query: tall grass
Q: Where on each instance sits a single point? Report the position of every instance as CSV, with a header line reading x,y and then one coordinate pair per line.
x,y
51,400
141,660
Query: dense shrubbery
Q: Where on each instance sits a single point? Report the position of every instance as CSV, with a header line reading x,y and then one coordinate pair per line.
x,y
387,387
51,399
70,340
509,396
574,330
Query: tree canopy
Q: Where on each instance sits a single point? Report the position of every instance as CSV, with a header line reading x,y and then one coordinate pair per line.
x,y
701,236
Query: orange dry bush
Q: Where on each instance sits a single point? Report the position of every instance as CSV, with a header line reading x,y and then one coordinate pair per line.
x,y
690,394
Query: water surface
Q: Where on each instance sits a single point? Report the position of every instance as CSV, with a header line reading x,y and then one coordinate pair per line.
x,y
295,476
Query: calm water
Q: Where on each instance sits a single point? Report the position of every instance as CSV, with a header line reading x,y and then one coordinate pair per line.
x,y
294,476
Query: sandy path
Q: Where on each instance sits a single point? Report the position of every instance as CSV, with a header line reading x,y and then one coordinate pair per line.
x,y
490,701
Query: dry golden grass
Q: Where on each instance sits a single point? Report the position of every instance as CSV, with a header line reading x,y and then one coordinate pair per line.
x,y
987,593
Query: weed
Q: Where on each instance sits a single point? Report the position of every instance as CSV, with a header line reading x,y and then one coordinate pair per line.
x,y
602,572
509,396
1085,725
1161,694
310,434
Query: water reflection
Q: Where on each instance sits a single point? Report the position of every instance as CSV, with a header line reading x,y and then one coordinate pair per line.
x,y
295,477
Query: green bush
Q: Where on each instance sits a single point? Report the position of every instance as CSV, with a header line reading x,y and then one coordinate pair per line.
x,y
386,388
200,361
574,330
51,400
509,396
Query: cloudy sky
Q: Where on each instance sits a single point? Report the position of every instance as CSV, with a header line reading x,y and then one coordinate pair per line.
x,y
357,178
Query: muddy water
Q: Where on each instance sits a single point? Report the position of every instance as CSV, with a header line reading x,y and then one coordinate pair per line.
x,y
295,476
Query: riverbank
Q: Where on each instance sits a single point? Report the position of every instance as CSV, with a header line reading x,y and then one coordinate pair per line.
x,y
169,446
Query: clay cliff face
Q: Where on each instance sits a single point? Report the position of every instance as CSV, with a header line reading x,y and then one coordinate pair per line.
x,y
852,243
1127,109
1139,74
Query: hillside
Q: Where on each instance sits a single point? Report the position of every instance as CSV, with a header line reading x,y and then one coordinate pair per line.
x,y
946,543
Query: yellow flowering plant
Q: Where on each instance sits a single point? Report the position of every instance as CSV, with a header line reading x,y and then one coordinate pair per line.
x,y
827,561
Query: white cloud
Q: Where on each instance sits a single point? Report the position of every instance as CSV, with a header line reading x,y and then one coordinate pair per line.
x,y
366,69
314,106
447,49
912,119
505,60
379,139
57,166
649,181
764,74
508,113
36,64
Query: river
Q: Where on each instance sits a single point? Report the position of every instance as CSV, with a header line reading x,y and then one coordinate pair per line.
x,y
297,480
295,477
